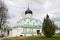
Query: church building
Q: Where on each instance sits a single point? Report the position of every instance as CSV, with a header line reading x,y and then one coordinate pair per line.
x,y
27,26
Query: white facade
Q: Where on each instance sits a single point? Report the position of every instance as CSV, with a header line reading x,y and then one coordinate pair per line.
x,y
27,26
18,31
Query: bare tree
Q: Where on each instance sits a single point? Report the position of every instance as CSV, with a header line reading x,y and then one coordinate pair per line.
x,y
3,13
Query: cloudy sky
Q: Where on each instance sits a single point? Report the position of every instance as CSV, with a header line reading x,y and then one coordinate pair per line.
x,y
17,8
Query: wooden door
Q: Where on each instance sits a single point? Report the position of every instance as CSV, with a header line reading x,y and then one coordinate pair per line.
x,y
38,32
8,32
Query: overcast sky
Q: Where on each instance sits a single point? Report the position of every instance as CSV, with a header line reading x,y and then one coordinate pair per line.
x,y
17,8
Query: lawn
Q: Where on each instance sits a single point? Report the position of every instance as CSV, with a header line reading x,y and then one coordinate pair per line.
x,y
56,37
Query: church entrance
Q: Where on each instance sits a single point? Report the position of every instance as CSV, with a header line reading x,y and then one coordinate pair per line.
x,y
8,32
38,32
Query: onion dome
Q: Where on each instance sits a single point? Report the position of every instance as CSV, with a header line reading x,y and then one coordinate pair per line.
x,y
28,11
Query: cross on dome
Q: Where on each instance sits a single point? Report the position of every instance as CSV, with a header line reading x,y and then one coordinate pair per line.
x,y
28,11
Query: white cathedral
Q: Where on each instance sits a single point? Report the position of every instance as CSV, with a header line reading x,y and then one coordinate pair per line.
x,y
27,26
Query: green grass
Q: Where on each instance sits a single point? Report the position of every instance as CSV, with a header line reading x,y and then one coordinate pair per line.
x,y
56,37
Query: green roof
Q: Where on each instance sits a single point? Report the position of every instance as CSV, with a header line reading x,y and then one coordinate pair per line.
x,y
21,24
58,28
28,32
24,19
30,26
1,29
8,28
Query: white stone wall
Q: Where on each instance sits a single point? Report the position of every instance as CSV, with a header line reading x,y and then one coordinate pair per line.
x,y
57,31
28,15
16,32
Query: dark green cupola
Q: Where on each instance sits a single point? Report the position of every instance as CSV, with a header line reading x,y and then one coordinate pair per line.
x,y
28,11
